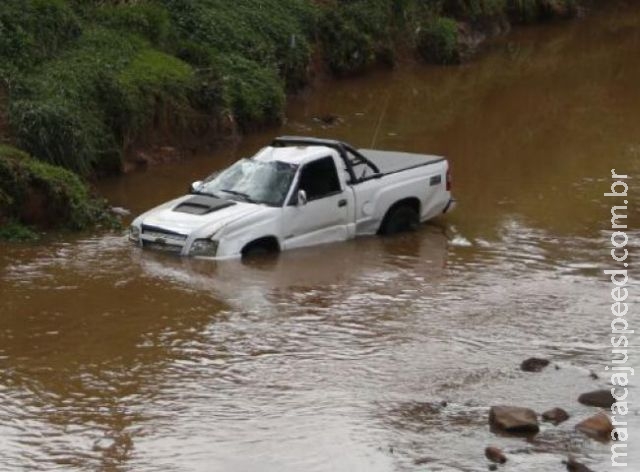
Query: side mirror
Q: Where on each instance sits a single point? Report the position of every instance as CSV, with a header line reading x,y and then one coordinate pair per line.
x,y
302,198
194,186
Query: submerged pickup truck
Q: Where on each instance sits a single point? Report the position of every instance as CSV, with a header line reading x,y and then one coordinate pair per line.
x,y
298,192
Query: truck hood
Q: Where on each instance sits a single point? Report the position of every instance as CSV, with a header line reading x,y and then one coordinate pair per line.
x,y
197,213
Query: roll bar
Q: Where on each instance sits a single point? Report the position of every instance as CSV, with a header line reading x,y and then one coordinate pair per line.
x,y
341,147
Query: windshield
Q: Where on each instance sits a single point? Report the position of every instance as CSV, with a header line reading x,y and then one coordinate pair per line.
x,y
252,181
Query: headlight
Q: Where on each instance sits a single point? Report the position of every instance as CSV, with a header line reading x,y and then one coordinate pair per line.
x,y
204,247
134,233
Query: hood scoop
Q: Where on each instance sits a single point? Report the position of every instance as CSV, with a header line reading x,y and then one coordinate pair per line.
x,y
203,205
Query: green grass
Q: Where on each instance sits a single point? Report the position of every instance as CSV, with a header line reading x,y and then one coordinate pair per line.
x,y
356,34
35,193
33,30
13,231
437,41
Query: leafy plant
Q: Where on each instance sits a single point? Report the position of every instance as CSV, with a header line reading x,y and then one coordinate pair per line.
x,y
437,41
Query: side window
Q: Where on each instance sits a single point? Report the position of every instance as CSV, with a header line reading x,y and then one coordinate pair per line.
x,y
319,179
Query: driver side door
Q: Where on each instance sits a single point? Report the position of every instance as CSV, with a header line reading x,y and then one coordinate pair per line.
x,y
325,216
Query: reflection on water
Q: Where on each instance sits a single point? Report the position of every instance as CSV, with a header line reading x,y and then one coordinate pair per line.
x,y
378,354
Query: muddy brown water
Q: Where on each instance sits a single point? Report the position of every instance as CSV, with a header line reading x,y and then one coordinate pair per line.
x,y
337,357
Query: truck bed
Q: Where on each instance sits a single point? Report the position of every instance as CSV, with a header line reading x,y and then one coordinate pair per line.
x,y
393,161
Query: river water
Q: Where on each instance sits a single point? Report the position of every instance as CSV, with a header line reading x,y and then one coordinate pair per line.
x,y
337,358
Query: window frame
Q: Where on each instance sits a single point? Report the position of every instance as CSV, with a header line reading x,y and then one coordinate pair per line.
x,y
293,201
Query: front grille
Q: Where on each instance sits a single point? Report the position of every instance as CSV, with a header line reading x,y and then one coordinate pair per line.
x,y
170,237
161,247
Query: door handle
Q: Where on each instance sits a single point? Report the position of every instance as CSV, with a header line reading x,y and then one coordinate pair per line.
x,y
342,203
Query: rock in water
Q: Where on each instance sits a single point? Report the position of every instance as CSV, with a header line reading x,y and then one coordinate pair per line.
x,y
555,415
597,427
513,419
575,466
495,455
534,364
599,398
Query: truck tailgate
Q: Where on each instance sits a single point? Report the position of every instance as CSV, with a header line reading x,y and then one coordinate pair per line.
x,y
392,161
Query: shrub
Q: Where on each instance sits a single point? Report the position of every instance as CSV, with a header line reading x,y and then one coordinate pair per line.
x,y
45,195
152,83
437,41
149,20
64,133
355,34
32,30
55,113
14,231
253,93
83,108
273,33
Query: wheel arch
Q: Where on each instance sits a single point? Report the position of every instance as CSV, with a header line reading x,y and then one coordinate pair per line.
x,y
268,243
411,202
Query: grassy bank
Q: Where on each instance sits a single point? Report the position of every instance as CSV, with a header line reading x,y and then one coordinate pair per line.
x,y
37,196
84,83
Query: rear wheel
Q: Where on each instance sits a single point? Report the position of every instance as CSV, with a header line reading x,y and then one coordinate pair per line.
x,y
400,218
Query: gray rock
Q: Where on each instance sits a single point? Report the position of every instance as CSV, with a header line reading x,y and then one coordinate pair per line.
x,y
495,455
534,364
575,466
599,398
513,419
555,415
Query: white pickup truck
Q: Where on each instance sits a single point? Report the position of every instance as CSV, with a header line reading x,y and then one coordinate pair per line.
x,y
298,192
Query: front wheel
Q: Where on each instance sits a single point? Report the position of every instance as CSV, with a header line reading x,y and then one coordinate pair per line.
x,y
399,219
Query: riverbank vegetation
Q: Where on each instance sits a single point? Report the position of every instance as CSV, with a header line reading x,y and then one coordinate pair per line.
x,y
86,84
35,195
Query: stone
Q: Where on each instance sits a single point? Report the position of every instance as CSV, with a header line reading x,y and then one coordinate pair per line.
x,y
599,398
597,427
555,415
495,455
534,364
513,419
575,466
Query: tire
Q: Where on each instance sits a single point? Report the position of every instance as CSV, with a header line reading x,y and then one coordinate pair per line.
x,y
399,219
260,248
256,251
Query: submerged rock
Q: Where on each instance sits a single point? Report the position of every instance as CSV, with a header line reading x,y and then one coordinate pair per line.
x,y
555,415
534,364
599,398
575,466
513,419
597,427
495,455
328,119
